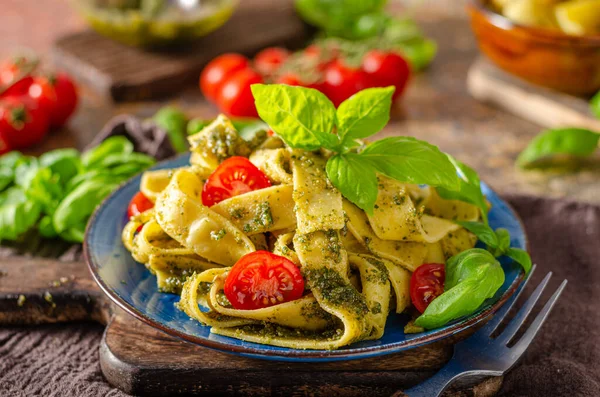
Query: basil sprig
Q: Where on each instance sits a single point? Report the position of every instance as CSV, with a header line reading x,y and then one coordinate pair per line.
x,y
471,277
305,119
498,243
575,142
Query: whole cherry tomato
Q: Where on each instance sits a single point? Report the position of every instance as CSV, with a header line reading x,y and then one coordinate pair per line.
x,y
235,97
262,279
234,176
386,69
269,60
138,204
15,77
218,71
22,122
342,81
426,284
57,94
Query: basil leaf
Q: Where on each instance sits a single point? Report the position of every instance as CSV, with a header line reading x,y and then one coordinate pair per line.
x,y
521,257
303,117
10,159
418,52
46,228
17,213
63,162
174,122
336,16
503,242
355,180
26,168
46,189
483,232
111,146
576,142
471,277
595,105
7,176
469,190
410,160
364,113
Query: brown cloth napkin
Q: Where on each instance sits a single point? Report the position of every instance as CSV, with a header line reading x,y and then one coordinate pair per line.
x,y
564,360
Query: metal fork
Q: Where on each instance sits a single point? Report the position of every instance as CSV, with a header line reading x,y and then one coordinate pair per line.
x,y
480,355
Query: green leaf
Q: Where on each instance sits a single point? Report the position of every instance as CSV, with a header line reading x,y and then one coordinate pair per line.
x,y
71,216
595,105
174,122
63,162
521,257
7,175
46,189
469,190
471,277
17,213
364,113
26,169
10,159
483,232
410,160
336,16
114,160
575,142
46,227
111,146
355,180
419,52
303,117
503,241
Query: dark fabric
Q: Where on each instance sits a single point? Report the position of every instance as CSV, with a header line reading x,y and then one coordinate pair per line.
x,y
564,360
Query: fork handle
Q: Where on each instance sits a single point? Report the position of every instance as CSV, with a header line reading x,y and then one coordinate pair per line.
x,y
439,382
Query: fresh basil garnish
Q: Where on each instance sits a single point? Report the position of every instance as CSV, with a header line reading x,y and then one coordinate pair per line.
x,y
356,180
471,277
577,142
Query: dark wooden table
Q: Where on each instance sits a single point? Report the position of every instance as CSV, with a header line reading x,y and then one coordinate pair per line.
x,y
437,107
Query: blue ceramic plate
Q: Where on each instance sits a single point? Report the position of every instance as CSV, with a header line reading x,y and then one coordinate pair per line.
x,y
133,288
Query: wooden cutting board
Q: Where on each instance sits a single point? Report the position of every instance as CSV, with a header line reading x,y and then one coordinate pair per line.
x,y
138,359
552,109
128,73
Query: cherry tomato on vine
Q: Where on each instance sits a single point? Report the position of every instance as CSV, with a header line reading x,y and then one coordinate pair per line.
x,y
342,81
234,176
138,204
235,97
15,76
269,60
57,94
262,279
386,69
218,70
22,122
426,284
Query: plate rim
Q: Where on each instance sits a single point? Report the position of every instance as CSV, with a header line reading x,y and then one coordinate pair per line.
x,y
293,354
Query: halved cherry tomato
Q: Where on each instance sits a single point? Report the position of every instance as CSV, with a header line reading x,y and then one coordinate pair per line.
x,y
235,97
385,69
138,204
234,176
269,60
22,122
218,71
262,279
57,94
15,76
342,81
426,284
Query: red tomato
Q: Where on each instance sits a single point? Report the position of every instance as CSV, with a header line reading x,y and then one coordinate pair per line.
x,y
341,81
14,76
4,146
385,69
234,176
22,122
218,71
235,97
57,95
426,284
138,204
262,279
270,60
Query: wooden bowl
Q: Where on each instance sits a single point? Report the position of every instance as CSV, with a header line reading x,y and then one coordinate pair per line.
x,y
545,57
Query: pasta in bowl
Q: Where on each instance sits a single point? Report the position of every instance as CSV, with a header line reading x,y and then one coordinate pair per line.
x,y
258,241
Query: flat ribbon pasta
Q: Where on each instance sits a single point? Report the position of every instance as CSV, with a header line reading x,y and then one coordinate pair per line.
x,y
274,163
180,213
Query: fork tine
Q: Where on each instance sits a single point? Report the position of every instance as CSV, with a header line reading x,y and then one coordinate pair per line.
x,y
493,324
528,336
513,327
